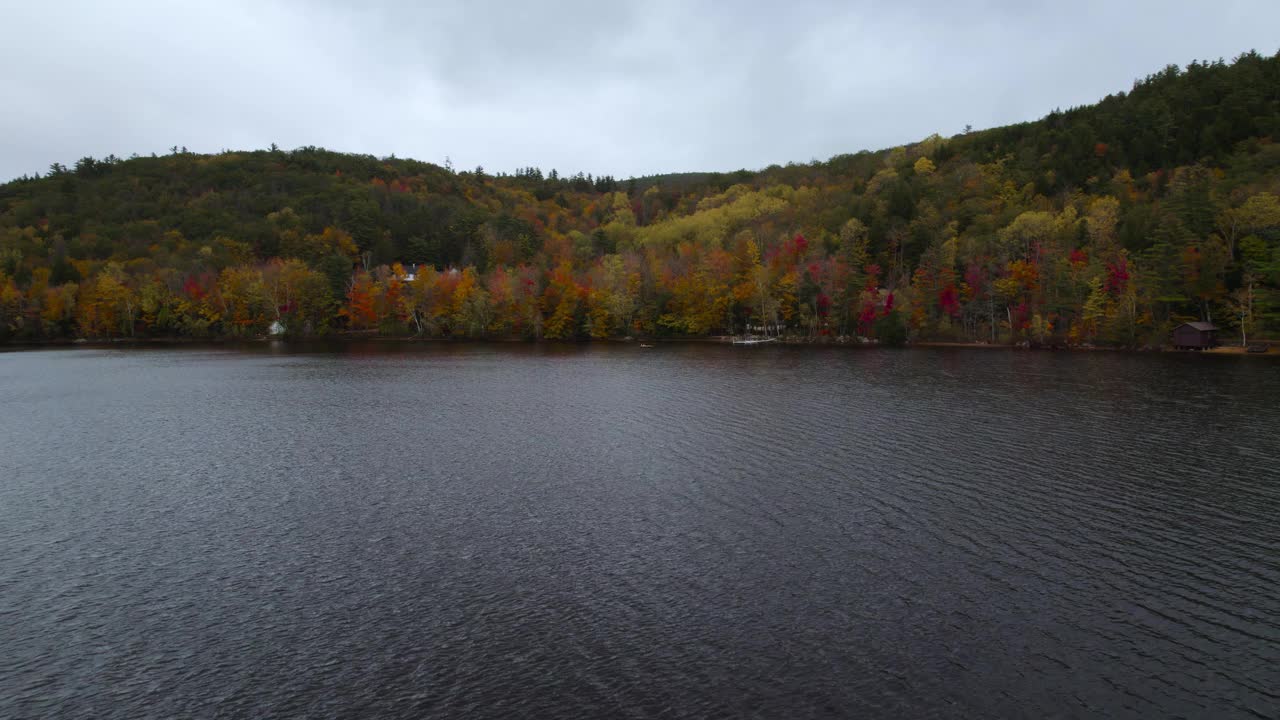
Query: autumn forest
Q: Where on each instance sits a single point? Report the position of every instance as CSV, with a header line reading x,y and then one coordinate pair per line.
x,y
1100,225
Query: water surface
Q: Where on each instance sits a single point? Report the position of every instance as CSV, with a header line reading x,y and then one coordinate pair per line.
x,y
687,531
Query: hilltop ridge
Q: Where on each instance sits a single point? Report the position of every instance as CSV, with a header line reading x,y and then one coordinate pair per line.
x,y
1106,223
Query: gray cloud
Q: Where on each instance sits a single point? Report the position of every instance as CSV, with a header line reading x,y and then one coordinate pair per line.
x,y
620,88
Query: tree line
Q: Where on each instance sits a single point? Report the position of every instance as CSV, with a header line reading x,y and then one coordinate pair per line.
x,y
1106,224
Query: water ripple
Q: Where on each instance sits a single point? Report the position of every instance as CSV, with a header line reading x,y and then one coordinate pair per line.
x,y
688,531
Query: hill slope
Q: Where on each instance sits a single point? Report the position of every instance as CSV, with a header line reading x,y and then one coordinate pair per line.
x,y
1107,223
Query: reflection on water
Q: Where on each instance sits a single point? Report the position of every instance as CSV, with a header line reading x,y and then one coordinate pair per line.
x,y
689,530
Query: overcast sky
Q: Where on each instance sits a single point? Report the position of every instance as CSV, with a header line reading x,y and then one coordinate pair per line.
x,y
607,87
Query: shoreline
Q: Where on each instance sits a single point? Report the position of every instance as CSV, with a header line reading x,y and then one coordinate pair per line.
x,y
346,337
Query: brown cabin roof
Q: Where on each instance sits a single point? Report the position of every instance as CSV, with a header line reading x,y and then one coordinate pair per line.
x,y
1201,326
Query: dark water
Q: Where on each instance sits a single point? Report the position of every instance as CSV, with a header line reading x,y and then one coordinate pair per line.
x,y
688,531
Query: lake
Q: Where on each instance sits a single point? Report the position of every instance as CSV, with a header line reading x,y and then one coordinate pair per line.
x,y
693,530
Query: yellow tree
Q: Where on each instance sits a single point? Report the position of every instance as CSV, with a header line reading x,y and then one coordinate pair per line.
x,y
561,301
1101,221
297,296
107,306
469,306
599,322
785,291
157,304
613,298
240,293
751,284
420,298
1096,307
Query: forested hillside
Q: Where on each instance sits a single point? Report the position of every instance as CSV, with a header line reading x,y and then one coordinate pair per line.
x,y
1105,224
